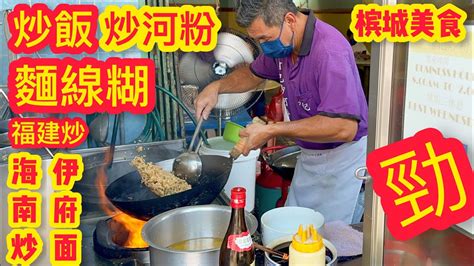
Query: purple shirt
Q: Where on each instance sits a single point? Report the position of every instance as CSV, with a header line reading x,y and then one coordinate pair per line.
x,y
324,80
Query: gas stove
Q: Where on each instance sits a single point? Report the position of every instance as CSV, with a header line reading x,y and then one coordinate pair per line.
x,y
100,237
106,246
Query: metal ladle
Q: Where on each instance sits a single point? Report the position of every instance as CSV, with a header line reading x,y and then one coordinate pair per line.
x,y
188,165
99,128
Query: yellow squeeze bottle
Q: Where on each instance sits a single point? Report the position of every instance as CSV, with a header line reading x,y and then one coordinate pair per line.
x,y
307,248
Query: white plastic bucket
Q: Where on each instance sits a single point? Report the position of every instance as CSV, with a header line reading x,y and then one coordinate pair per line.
x,y
284,221
243,173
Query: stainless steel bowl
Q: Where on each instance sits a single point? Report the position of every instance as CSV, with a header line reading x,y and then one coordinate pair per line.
x,y
194,222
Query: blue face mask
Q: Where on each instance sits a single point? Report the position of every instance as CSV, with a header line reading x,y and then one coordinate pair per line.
x,y
276,49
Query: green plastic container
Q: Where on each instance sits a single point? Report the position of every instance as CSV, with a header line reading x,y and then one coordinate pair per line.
x,y
231,132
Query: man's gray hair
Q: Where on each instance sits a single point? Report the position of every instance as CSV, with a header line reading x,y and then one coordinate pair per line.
x,y
271,11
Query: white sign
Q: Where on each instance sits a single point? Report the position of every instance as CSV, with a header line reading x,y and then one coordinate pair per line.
x,y
439,92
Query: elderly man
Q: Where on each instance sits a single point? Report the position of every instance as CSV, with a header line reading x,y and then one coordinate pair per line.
x,y
325,107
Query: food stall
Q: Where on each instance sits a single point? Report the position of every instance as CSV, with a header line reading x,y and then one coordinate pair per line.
x,y
124,222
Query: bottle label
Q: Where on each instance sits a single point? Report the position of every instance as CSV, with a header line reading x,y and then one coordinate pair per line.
x,y
241,242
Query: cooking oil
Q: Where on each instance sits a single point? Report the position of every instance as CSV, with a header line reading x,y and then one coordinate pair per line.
x,y
197,244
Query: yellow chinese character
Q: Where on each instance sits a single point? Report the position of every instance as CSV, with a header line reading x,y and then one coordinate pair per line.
x,y
65,209
36,86
89,86
65,247
24,246
24,171
24,133
24,209
417,213
48,133
65,169
435,161
25,83
69,91
85,90
73,133
114,75
45,86
128,86
411,197
68,27
140,88
25,25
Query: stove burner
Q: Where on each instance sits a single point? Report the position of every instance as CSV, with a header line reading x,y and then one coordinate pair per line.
x,y
107,248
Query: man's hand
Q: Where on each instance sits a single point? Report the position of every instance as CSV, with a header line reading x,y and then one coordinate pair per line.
x,y
257,135
240,80
206,100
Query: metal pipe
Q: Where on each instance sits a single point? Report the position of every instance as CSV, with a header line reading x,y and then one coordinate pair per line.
x,y
181,104
378,136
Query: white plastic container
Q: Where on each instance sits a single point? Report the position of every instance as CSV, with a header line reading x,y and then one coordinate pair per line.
x,y
284,221
244,169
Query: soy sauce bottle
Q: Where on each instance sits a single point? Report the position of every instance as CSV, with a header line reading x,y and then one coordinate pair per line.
x,y
237,247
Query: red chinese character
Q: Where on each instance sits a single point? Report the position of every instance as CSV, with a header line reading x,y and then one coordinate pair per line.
x,y
23,247
160,26
65,209
368,22
24,209
396,23
422,22
122,27
25,170
449,20
192,22
64,170
65,246
423,182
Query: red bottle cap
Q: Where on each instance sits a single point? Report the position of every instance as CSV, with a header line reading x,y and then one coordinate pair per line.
x,y
237,197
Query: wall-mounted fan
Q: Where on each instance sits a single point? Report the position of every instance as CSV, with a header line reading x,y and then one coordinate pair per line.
x,y
197,70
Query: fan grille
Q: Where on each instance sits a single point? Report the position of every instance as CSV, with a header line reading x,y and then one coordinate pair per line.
x,y
196,72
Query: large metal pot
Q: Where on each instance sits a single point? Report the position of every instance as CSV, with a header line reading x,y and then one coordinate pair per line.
x,y
194,222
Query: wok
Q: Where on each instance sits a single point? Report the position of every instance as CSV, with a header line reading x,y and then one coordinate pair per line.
x,y
283,161
128,194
